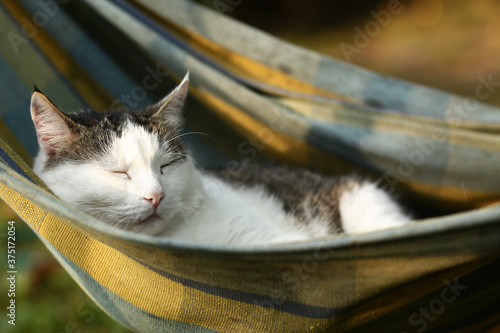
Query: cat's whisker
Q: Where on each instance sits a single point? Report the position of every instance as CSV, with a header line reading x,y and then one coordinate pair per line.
x,y
190,133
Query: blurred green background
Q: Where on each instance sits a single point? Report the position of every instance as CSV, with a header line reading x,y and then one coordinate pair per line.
x,y
439,43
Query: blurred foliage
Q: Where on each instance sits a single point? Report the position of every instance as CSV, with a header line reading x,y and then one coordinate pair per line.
x,y
445,44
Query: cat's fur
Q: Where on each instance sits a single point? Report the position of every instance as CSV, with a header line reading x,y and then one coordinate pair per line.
x,y
131,170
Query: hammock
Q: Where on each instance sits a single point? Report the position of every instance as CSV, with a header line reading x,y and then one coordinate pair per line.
x,y
260,97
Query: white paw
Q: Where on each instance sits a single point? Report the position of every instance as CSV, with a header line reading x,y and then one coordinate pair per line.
x,y
366,208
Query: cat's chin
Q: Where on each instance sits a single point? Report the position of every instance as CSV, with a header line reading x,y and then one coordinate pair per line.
x,y
151,225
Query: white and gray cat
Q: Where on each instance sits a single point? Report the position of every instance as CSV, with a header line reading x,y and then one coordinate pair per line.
x,y
131,170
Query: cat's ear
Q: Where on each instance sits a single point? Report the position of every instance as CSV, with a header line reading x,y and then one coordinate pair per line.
x,y
170,107
52,126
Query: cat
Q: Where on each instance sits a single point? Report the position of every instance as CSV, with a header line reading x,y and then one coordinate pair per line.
x,y
131,170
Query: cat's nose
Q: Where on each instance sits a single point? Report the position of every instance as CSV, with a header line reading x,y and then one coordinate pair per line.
x,y
154,198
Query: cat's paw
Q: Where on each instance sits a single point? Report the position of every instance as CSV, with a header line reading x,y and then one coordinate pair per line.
x,y
365,207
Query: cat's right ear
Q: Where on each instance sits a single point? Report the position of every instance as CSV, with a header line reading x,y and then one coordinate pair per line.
x,y
170,107
52,126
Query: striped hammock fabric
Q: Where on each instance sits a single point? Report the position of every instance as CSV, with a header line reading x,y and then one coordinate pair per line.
x,y
260,98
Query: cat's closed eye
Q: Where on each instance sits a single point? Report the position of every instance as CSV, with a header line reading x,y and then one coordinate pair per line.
x,y
122,174
164,166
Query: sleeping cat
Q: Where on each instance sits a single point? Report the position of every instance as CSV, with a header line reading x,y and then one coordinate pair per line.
x,y
131,170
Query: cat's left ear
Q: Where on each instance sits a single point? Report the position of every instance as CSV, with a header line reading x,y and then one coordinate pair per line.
x,y
170,107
